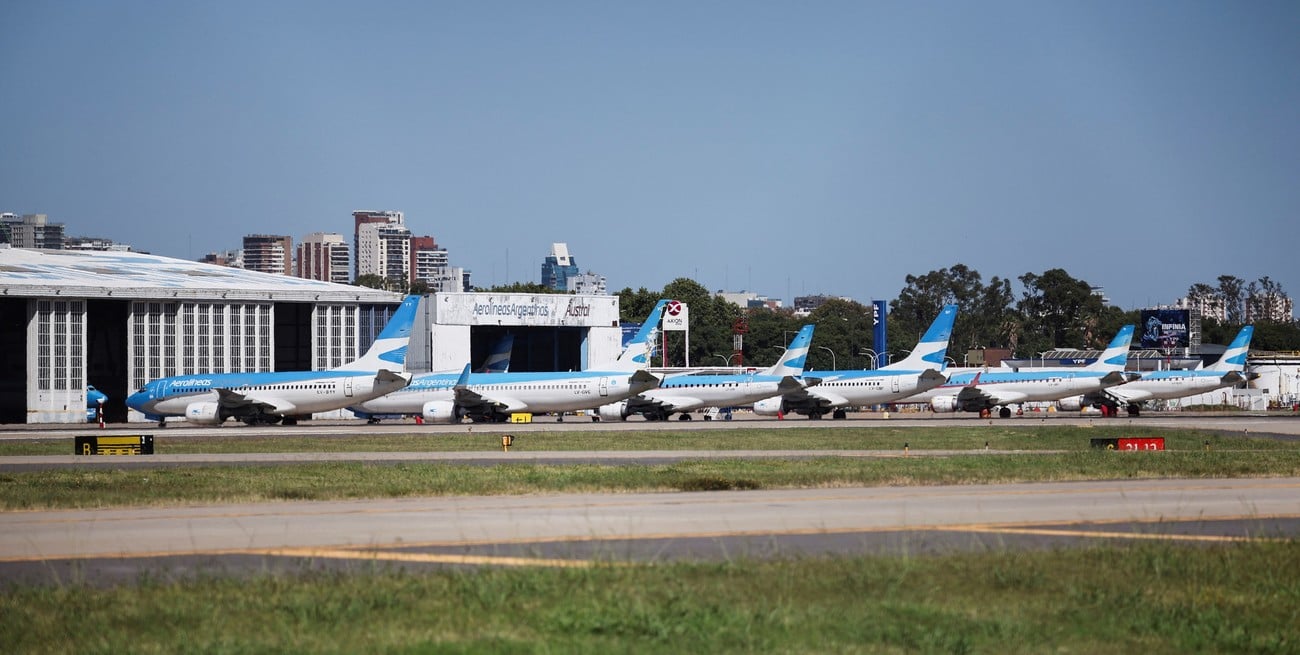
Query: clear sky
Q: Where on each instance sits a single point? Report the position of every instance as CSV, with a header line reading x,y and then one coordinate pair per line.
x,y
787,148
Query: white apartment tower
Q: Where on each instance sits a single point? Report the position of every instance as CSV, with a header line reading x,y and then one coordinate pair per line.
x,y
383,245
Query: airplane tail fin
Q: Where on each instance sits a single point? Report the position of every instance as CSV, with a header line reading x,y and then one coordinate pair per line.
x,y
932,347
1234,358
389,349
637,353
1115,357
498,361
792,362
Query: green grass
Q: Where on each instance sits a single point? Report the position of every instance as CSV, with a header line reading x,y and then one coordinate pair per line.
x,y
1029,435
1150,598
1186,456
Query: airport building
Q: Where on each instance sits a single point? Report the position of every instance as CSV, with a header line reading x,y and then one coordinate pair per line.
x,y
115,320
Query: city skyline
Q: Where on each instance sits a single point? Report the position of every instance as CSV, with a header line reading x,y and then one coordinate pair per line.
x,y
440,260
785,150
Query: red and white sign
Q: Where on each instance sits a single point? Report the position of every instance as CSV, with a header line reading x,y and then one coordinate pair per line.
x,y
676,316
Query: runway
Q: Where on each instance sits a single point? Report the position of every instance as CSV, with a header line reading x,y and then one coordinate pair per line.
x,y
120,545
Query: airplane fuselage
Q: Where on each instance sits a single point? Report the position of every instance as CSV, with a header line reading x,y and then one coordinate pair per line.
x,y
303,392
536,392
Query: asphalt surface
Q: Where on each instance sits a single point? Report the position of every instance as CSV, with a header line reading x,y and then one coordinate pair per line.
x,y
114,546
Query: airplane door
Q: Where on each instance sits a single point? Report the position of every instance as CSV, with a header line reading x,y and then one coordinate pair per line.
x,y
894,383
347,387
604,386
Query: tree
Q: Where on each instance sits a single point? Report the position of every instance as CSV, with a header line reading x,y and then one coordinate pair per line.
x,y
843,328
371,281
1230,291
1060,312
984,316
522,287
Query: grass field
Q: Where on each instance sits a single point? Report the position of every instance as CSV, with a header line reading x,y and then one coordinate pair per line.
x,y
1148,598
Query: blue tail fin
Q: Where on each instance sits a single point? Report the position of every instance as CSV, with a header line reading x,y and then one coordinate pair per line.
x,y
388,352
1115,357
498,361
932,347
637,353
796,356
1234,358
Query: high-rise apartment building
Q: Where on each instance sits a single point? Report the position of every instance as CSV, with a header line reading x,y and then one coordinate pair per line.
x,y
383,245
384,249
428,259
558,267
324,256
268,253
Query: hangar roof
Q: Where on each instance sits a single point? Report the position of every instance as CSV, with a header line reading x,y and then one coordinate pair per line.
x,y
94,274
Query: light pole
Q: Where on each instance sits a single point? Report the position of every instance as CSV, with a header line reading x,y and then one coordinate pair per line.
x,y
726,359
867,352
832,352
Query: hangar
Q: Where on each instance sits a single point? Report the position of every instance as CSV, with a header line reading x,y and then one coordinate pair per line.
x,y
115,320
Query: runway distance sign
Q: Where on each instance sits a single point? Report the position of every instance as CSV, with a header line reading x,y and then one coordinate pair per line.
x,y
116,445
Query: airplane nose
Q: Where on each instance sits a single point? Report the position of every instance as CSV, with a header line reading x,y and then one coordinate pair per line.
x,y
137,400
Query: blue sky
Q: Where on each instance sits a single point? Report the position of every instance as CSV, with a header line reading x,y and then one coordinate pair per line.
x,y
784,148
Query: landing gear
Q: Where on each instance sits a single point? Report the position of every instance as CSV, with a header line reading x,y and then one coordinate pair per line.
x,y
685,417
1134,410
1004,412
840,414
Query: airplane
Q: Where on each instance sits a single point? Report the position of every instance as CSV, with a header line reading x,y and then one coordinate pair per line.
x,y
95,400
921,371
984,391
281,397
1226,372
492,397
498,361
690,391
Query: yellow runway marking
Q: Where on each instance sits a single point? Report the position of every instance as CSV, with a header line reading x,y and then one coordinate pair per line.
x,y
1048,532
432,558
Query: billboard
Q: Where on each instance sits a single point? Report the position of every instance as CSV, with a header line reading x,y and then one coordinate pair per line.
x,y
1165,329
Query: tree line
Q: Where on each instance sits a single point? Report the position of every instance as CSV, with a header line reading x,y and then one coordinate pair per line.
x,y
1054,310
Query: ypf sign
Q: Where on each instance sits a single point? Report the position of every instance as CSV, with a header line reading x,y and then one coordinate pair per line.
x,y
675,316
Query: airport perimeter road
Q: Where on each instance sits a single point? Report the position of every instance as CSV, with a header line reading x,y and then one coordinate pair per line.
x,y
574,529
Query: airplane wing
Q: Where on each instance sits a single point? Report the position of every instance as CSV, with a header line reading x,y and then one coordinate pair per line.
x,y
478,404
643,380
239,404
805,399
974,395
639,404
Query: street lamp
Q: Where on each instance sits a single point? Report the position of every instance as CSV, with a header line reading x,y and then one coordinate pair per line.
x,y
867,352
726,359
832,352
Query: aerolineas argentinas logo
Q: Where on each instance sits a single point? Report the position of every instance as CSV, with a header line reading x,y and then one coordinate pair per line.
x,y
191,382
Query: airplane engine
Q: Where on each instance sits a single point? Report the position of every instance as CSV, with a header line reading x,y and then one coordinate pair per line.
x,y
441,411
614,411
1071,404
944,404
770,406
204,414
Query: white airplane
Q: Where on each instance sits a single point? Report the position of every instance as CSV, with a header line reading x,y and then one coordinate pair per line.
x,y
493,397
984,391
691,391
211,398
839,389
1228,371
